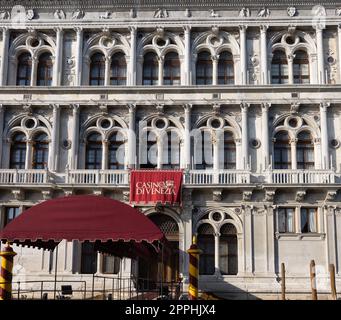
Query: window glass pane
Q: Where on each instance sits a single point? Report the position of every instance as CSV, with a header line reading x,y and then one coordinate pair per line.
x,y
10,214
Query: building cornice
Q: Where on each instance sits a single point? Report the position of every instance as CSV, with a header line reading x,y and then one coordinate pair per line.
x,y
145,4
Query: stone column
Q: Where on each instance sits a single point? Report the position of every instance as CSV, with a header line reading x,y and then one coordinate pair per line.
x,y
187,137
132,137
216,255
248,240
105,151
187,62
243,54
58,65
54,156
187,219
161,61
34,71
216,140
215,61
290,69
75,137
330,219
132,66
245,136
4,56
29,150
339,48
264,54
293,143
324,135
320,55
79,56
270,231
265,134
107,71
2,115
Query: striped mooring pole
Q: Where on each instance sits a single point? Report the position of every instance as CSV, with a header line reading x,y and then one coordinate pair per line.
x,y
194,253
6,272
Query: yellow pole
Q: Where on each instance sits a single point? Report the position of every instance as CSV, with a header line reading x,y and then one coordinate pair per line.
x,y
194,253
6,273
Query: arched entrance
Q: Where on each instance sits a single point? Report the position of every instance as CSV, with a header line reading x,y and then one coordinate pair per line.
x,y
169,267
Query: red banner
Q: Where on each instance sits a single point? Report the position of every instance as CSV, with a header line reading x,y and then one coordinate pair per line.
x,y
155,186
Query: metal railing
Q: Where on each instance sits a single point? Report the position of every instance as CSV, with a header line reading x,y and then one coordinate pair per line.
x,y
132,288
20,291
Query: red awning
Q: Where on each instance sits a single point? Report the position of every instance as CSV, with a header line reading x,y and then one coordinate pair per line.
x,y
115,227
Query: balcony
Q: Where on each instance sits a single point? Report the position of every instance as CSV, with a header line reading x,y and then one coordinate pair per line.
x,y
120,178
301,177
97,177
209,177
24,177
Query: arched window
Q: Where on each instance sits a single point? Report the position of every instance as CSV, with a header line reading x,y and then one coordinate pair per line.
x,y
116,151
203,151
150,69
24,69
279,68
40,151
204,71
305,151
226,68
97,69
301,68
94,151
149,154
206,244
171,152
45,70
228,250
282,151
171,70
118,70
18,151
229,151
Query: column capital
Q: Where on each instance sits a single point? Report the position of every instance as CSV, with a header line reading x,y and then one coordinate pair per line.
x,y
187,28
79,30
242,27
58,29
264,28
324,106
265,106
244,106
187,107
132,29
55,106
4,29
131,107
75,107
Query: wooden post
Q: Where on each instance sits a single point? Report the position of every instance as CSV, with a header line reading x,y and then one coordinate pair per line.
x,y
332,281
313,280
283,280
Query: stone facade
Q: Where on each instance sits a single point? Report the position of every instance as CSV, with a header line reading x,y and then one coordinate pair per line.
x,y
252,195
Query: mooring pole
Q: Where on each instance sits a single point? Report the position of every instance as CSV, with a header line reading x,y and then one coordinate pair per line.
x,y
194,254
6,272
313,280
332,281
283,280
